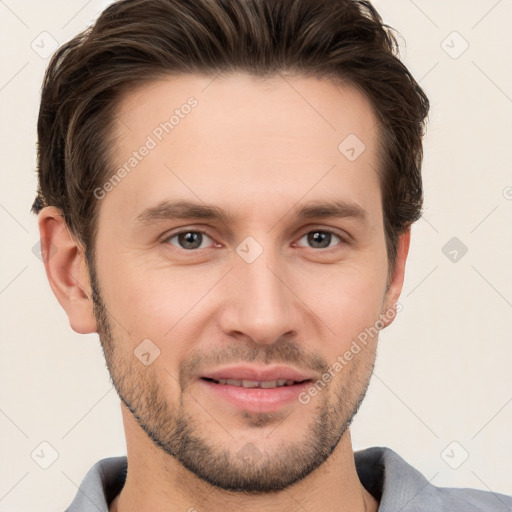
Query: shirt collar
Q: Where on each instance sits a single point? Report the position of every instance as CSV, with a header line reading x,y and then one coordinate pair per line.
x,y
394,483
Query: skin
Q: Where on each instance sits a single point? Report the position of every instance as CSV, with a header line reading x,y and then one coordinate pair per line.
x,y
258,150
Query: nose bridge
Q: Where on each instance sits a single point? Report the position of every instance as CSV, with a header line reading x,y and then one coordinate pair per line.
x,y
260,305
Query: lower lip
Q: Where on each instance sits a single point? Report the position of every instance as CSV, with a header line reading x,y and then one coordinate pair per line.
x,y
256,399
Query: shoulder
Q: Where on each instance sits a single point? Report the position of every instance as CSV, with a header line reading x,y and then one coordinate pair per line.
x,y
399,486
473,500
100,485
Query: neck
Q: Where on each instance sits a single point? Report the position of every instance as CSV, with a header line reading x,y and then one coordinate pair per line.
x,y
157,481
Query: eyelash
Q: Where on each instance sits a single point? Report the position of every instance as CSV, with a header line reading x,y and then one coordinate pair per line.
x,y
343,241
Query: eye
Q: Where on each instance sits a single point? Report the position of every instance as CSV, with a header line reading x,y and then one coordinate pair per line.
x,y
191,240
188,240
321,238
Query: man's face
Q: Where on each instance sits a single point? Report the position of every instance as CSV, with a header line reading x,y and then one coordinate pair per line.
x,y
263,288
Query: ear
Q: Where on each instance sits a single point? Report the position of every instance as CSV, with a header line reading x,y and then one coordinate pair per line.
x,y
396,280
66,269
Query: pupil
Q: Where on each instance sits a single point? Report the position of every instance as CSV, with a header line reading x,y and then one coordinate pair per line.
x,y
320,237
190,240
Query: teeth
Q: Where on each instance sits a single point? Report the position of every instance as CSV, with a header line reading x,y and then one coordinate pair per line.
x,y
251,384
257,384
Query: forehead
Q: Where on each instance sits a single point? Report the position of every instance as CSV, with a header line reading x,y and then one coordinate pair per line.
x,y
235,137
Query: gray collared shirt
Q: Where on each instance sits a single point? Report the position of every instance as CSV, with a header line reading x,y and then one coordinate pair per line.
x,y
395,484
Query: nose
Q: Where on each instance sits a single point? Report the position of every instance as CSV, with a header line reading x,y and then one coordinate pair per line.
x,y
260,303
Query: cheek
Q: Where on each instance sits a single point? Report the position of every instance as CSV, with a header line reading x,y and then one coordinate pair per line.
x,y
170,305
157,301
346,301
346,297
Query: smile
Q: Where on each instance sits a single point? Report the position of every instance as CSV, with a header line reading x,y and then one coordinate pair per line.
x,y
267,384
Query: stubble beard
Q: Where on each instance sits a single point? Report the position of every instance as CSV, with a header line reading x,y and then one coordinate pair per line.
x,y
185,438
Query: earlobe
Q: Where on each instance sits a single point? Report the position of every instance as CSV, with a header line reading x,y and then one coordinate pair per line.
x,y
66,269
397,278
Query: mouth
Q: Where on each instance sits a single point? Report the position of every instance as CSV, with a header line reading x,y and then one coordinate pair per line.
x,y
266,384
255,391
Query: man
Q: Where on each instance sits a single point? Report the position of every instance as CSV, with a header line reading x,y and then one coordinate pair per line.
x,y
226,194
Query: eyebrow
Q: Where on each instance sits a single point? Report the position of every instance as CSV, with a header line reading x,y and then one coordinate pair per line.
x,y
185,210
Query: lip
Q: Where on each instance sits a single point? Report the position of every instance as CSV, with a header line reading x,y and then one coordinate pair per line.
x,y
261,373
256,399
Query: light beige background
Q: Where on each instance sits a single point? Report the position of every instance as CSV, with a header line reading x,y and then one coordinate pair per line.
x,y
443,372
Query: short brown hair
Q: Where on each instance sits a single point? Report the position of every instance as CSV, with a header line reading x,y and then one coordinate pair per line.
x,y
136,41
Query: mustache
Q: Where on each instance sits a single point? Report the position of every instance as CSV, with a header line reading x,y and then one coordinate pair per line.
x,y
282,351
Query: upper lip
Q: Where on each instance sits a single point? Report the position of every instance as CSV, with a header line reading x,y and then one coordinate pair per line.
x,y
260,374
